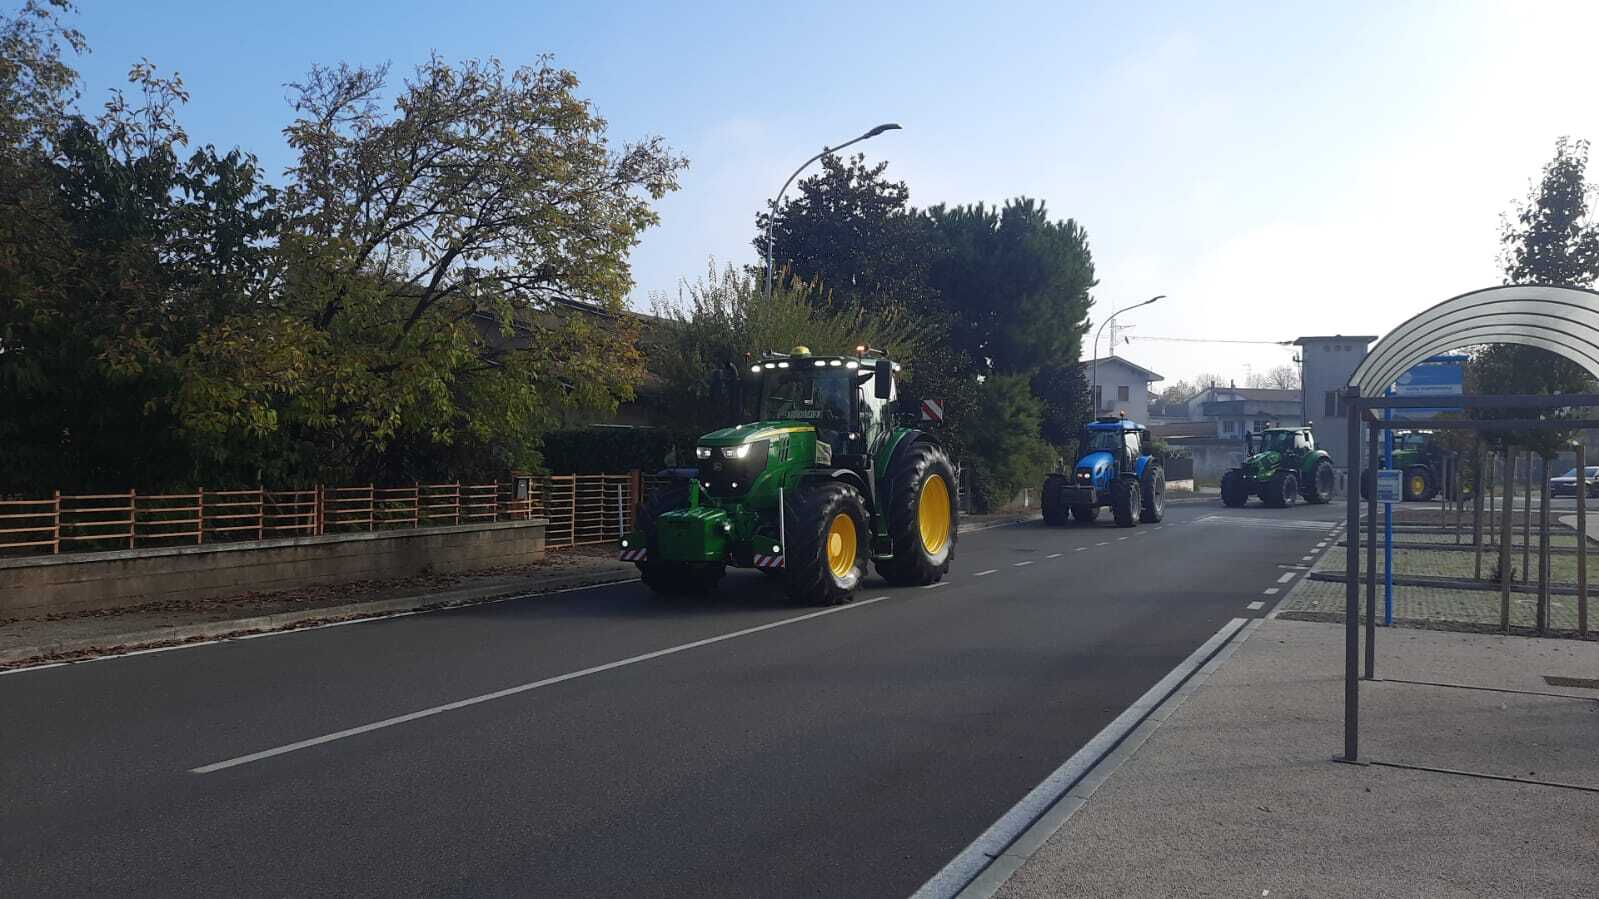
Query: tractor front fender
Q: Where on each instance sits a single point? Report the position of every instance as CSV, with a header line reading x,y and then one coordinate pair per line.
x,y
1143,462
842,475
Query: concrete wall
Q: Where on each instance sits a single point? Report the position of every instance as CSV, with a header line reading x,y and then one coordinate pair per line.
x,y
1212,455
73,583
1325,366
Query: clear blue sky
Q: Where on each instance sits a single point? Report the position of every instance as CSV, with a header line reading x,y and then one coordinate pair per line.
x,y
1275,169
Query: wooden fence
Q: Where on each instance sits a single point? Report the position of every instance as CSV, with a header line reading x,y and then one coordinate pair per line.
x,y
582,510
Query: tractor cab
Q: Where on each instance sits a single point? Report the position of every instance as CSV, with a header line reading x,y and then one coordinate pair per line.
x,y
817,485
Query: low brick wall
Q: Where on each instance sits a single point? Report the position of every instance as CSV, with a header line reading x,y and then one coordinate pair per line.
x,y
75,583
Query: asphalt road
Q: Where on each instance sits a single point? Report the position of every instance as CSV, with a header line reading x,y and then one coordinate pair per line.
x,y
849,753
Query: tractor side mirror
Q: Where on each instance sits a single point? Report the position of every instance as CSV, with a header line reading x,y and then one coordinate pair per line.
x,y
883,379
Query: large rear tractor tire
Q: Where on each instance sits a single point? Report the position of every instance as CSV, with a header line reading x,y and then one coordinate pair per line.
x,y
1085,514
1322,479
1055,512
827,544
1234,492
1124,496
1420,485
1282,491
923,516
672,578
1152,486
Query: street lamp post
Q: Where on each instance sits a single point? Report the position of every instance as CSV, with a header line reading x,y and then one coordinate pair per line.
x,y
1095,382
825,150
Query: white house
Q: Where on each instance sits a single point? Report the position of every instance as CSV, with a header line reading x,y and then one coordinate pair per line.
x,y
1237,410
1121,386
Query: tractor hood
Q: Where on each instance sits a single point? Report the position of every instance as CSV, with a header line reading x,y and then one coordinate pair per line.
x,y
1262,462
758,430
1097,462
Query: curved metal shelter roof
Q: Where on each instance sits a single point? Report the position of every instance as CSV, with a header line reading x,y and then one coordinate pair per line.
x,y
1563,320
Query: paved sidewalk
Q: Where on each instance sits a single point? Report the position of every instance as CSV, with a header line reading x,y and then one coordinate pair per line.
x,y
1236,794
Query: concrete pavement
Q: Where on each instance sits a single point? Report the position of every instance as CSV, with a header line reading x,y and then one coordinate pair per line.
x,y
1236,794
605,742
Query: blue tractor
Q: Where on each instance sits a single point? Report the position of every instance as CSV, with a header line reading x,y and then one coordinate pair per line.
x,y
1116,470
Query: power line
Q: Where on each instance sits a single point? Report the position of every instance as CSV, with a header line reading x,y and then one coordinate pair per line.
x,y
1210,340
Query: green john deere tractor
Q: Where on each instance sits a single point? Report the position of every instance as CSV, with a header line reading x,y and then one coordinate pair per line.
x,y
1422,462
1285,467
820,483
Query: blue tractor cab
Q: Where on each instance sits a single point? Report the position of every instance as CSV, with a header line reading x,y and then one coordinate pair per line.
x,y
1115,470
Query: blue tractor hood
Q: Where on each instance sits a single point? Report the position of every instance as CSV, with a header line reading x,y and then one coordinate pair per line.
x,y
1100,463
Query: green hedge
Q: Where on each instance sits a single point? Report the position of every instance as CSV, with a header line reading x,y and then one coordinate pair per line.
x,y
602,449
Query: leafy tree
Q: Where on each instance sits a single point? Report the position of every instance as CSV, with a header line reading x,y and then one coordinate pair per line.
x,y
726,315
853,231
117,256
1015,283
1003,433
1067,406
1550,239
452,275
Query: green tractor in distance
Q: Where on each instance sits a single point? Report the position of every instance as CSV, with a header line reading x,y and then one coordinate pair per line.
x,y
1285,467
820,483
1422,462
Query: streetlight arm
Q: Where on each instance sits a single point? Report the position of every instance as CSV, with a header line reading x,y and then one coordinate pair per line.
x,y
1095,382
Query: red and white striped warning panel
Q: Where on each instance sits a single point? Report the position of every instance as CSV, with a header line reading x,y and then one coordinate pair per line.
x,y
932,410
768,561
634,555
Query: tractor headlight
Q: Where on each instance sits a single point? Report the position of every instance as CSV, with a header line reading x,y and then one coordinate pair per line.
x,y
736,452
702,452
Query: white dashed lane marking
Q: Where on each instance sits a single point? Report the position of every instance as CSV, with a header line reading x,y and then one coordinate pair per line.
x,y
1020,564
1255,606
1053,556
1287,576
1270,591
985,573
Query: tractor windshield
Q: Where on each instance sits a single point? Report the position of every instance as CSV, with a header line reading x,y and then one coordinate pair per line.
x,y
1108,441
1277,441
821,397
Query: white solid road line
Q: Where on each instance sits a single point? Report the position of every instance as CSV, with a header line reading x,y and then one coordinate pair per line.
x,y
1020,564
1287,576
1270,591
964,868
1256,606
520,688
984,573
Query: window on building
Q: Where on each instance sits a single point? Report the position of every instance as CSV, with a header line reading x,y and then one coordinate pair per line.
x,y
1260,425
1229,427
1122,393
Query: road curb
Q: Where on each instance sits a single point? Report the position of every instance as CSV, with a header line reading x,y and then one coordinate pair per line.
x,y
132,641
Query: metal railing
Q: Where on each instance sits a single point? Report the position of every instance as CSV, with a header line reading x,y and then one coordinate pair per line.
x,y
582,510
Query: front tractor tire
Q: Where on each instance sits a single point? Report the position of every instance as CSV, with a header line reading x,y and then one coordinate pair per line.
x,y
923,516
1055,512
1152,486
672,578
1420,485
1124,501
1281,491
1234,490
1322,479
827,544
